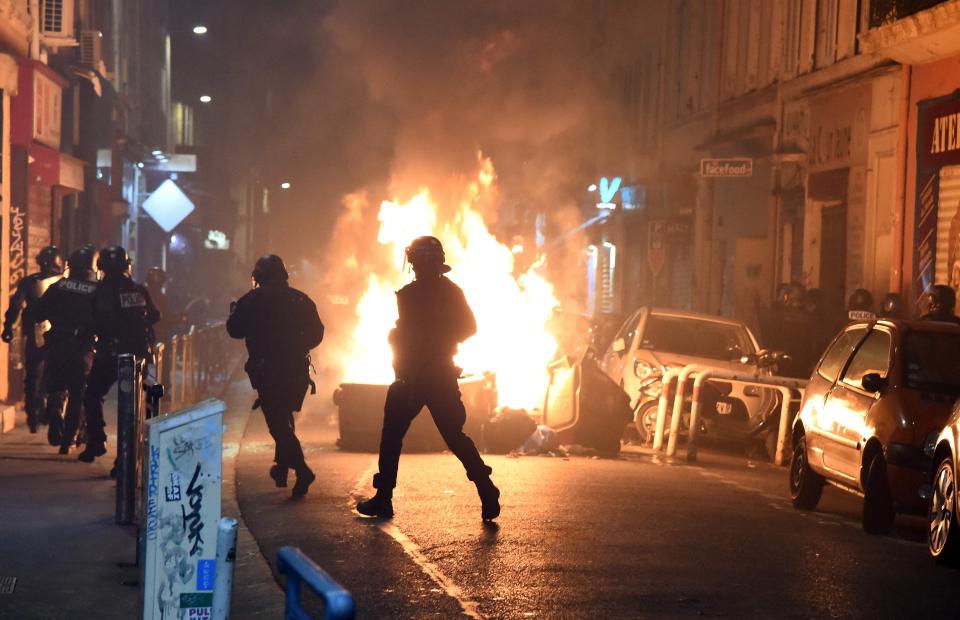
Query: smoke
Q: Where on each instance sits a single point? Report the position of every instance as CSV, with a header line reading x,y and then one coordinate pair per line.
x,y
408,94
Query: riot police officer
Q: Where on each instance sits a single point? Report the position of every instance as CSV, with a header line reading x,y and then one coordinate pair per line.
x,y
280,326
68,346
24,298
941,304
893,307
123,318
860,306
434,319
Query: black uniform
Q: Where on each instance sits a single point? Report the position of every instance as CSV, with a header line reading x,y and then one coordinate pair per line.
x,y
280,325
68,351
433,319
123,316
28,292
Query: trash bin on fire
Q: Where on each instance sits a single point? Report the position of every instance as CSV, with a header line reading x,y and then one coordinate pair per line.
x,y
360,407
585,406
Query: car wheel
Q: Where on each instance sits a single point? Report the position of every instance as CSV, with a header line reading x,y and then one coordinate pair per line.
x,y
806,485
878,511
942,530
646,420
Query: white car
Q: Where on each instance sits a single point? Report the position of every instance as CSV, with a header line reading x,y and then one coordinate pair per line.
x,y
652,341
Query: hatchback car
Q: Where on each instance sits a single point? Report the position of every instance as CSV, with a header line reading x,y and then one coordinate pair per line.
x,y
651,341
871,414
943,533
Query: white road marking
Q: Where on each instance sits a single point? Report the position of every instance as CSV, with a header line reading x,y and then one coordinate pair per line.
x,y
469,606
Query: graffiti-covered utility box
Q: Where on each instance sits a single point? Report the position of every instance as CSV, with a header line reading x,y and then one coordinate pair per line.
x,y
181,508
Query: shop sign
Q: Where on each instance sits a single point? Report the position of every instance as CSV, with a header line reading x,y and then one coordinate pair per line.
x,y
656,246
181,511
839,125
730,167
938,134
47,104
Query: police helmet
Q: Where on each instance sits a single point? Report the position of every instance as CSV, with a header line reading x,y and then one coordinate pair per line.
x,y
50,259
269,270
941,299
893,306
425,250
861,300
113,260
156,277
795,296
81,260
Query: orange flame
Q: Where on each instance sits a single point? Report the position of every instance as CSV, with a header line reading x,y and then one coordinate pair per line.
x,y
512,311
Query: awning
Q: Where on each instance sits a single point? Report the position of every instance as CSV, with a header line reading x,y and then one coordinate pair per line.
x,y
50,167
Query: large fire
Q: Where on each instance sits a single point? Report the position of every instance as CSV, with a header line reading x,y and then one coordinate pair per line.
x,y
512,311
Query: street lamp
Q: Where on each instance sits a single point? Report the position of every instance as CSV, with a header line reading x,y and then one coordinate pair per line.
x,y
205,98
199,29
285,185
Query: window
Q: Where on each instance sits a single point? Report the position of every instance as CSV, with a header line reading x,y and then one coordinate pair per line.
x,y
932,362
873,356
629,329
836,356
695,338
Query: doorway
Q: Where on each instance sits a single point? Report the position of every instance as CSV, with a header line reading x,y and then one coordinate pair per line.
x,y
833,256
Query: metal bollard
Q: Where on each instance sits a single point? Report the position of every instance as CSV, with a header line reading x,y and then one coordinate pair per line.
x,y
667,381
678,406
337,601
223,569
174,387
127,397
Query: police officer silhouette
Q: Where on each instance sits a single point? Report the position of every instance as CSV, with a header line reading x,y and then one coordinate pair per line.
x,y
28,292
68,346
941,302
434,318
123,319
280,326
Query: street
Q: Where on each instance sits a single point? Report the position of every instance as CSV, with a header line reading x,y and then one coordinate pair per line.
x,y
584,537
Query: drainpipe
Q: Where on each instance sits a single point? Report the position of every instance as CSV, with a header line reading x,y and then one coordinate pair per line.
x,y
898,279
35,29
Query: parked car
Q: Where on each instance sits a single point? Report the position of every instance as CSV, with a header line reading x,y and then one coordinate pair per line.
x,y
651,341
943,531
872,412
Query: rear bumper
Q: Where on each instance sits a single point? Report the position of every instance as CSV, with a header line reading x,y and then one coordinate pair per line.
x,y
908,472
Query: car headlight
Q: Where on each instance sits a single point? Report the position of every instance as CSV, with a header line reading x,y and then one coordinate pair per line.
x,y
930,444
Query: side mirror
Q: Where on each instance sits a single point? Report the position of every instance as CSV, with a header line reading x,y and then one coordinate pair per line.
x,y
873,382
619,345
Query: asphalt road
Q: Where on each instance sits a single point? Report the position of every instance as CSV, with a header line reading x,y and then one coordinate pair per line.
x,y
581,537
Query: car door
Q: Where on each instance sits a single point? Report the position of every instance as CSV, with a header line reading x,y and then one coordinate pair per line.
x,y
821,385
848,404
614,360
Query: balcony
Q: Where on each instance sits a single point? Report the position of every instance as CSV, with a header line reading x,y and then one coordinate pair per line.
x,y
913,32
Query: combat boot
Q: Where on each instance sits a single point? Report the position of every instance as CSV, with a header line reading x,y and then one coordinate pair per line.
x,y
54,431
305,478
489,498
279,475
380,505
91,452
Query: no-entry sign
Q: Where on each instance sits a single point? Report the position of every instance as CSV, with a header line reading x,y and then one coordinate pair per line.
x,y
726,167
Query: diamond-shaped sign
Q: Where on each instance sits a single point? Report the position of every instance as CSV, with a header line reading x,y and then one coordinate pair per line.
x,y
168,205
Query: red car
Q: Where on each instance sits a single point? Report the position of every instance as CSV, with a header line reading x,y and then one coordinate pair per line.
x,y
871,416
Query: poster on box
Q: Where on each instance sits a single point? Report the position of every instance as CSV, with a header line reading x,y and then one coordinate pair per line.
x,y
181,509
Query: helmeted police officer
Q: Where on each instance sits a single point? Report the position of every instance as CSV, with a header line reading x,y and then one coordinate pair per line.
x,y
68,346
123,318
280,326
941,303
29,290
893,307
434,318
860,306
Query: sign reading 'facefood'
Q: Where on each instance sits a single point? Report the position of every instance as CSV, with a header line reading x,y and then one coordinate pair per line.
x,y
726,167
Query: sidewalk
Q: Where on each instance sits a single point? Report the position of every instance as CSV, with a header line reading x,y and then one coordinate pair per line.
x,y
59,540
58,535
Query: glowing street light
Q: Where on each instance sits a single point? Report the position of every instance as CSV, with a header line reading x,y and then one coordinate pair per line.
x,y
205,98
157,152
592,187
199,29
285,185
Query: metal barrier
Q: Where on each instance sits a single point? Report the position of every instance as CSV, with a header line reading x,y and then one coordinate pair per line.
x,y
193,365
337,601
223,568
701,374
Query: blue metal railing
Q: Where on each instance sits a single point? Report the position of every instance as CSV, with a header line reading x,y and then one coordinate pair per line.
x,y
298,568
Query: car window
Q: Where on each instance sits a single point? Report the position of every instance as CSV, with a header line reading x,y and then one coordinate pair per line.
x,y
932,362
629,329
696,337
836,356
873,356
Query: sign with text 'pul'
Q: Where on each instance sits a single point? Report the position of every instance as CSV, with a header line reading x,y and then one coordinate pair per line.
x,y
182,473
729,167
